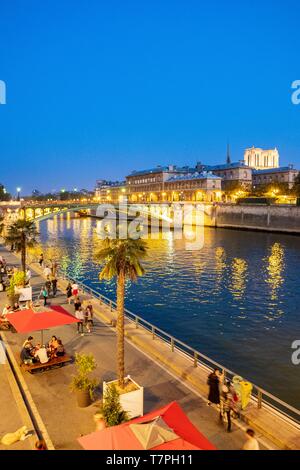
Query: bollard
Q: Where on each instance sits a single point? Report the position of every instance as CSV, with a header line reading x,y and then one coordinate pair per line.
x,y
153,332
136,322
172,344
195,359
259,399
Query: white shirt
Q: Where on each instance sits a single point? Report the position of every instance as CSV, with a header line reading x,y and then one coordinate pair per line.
x,y
42,355
251,444
28,275
47,272
79,315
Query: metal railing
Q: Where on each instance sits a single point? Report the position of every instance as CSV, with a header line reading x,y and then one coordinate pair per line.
x,y
260,397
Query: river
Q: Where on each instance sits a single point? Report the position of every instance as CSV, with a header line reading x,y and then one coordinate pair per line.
x,y
237,299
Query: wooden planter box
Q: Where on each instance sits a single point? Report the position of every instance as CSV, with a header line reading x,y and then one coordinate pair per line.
x,y
131,402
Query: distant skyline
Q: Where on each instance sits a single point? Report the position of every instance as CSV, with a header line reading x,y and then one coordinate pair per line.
x,y
97,89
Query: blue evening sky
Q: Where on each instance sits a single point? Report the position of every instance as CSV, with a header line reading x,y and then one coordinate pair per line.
x,y
96,89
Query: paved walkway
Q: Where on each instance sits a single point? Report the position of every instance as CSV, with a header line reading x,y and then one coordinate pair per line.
x,y
57,405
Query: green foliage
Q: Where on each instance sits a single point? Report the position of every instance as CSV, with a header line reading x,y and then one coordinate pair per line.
x,y
122,257
16,280
111,410
22,232
4,196
85,364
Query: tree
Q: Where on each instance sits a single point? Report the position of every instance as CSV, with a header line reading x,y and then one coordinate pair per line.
x,y
22,234
121,260
296,187
1,224
4,196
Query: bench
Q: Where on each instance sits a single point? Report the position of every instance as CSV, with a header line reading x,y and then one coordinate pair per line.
x,y
51,364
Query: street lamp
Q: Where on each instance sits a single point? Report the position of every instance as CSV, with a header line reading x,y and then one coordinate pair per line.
x,y
18,193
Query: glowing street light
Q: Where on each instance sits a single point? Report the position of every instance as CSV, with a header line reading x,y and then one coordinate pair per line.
x,y
18,193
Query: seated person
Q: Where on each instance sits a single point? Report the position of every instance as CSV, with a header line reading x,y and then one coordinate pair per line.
x,y
41,353
26,356
28,341
53,343
16,306
60,350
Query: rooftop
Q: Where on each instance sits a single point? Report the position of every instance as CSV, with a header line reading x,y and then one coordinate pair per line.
x,y
194,176
226,166
280,169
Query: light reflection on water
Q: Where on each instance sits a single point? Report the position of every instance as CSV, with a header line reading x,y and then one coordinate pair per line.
x,y
236,300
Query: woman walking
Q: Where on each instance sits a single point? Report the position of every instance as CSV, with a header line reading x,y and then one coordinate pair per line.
x,y
214,391
44,294
69,293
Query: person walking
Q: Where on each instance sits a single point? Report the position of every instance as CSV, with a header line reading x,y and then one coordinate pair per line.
x,y
44,294
54,285
80,316
48,285
251,442
69,293
77,304
41,260
91,312
225,406
88,319
74,289
214,391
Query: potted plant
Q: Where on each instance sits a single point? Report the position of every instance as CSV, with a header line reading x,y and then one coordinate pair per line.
x,y
131,396
111,409
17,280
82,384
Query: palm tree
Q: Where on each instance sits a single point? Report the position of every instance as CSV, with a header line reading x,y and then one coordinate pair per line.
x,y
1,224
22,234
121,260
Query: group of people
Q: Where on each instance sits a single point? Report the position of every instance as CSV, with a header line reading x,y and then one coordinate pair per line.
x,y
223,394
84,315
42,353
49,288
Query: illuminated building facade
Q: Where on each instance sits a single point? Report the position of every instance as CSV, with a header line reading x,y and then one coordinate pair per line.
x,y
261,159
284,175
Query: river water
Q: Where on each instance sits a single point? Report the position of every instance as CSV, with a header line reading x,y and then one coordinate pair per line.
x,y
237,299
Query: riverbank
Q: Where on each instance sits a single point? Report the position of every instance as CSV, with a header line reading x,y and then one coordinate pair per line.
x,y
51,394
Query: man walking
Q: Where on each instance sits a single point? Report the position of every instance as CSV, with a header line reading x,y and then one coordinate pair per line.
x,y
80,316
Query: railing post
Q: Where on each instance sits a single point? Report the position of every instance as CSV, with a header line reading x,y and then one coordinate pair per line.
x,y
110,305
172,344
195,359
153,332
136,322
259,399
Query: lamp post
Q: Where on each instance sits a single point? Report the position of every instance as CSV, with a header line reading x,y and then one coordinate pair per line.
x,y
18,193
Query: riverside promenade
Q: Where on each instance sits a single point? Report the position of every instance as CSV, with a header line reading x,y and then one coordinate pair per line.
x,y
64,421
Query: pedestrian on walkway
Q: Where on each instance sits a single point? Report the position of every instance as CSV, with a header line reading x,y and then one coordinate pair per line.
x,y
74,289
48,285
213,383
251,442
88,319
80,316
54,286
44,294
41,260
225,406
69,293
91,311
77,304
47,271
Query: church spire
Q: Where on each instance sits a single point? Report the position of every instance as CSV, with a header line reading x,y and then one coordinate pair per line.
x,y
228,159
